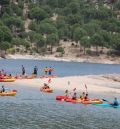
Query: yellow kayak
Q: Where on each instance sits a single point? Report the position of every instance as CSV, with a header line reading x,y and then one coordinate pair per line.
x,y
7,80
9,93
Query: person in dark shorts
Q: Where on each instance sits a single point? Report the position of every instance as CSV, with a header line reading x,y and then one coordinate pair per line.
x,y
23,70
35,71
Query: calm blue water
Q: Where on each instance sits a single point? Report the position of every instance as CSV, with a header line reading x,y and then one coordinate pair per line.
x,y
61,68
32,109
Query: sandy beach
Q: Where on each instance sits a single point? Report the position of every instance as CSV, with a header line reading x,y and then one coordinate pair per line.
x,y
99,84
89,59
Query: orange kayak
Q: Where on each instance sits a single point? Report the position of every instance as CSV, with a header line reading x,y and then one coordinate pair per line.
x,y
92,101
73,101
10,93
48,90
8,80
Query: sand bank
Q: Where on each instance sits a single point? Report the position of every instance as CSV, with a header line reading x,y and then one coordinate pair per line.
x,y
94,84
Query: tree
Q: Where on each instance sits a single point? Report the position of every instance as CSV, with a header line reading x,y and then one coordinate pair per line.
x,y
52,39
39,40
115,42
46,28
4,2
38,14
85,42
96,41
92,27
4,46
78,33
15,24
5,34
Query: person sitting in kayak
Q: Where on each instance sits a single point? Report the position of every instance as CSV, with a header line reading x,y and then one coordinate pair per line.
x,y
82,96
86,97
10,75
66,93
45,86
115,102
74,97
3,89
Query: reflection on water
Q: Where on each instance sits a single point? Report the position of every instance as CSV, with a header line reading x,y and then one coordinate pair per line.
x,y
31,109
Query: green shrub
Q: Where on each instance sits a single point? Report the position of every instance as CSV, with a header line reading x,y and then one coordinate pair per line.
x,y
88,52
11,50
60,49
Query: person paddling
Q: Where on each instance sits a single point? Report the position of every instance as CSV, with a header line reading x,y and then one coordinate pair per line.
x,y
3,89
74,97
66,93
45,86
82,96
86,97
115,102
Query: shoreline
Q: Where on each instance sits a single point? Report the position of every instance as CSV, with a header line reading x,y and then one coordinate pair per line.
x,y
97,60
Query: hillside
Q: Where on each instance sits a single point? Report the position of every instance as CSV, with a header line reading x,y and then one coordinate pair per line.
x,y
69,28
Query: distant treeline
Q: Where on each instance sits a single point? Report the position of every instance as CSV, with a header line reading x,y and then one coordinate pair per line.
x,y
90,23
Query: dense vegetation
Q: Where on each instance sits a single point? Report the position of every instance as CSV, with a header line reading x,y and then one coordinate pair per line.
x,y
90,23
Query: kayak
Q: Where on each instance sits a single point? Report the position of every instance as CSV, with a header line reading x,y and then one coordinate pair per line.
x,y
48,90
107,105
73,101
30,77
67,99
8,80
61,98
92,101
9,93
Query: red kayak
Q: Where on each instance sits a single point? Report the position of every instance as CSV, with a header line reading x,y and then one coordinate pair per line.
x,y
61,98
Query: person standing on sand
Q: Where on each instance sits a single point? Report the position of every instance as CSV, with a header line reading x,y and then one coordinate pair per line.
x,y
50,71
23,70
35,71
46,70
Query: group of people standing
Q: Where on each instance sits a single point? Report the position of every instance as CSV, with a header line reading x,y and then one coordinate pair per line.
x,y
47,71
35,70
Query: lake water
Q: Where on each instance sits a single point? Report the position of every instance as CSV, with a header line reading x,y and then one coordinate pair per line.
x,y
60,68
32,109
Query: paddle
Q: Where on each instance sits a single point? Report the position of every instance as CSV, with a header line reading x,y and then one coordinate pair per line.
x,y
108,102
105,100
